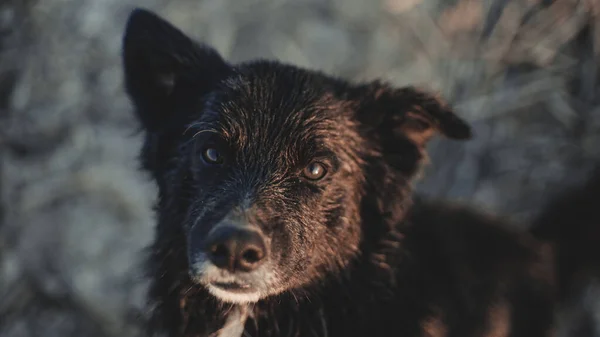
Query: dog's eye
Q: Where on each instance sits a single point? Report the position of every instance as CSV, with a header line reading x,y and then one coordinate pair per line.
x,y
212,156
315,171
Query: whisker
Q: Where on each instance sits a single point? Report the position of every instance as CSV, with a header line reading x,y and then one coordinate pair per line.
x,y
205,130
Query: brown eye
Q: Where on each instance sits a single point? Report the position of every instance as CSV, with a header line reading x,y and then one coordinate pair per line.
x,y
315,171
212,156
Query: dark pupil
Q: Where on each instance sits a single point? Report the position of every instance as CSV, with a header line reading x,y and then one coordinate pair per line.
x,y
212,155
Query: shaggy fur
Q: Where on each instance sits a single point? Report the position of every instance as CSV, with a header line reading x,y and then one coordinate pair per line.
x,y
348,254
570,222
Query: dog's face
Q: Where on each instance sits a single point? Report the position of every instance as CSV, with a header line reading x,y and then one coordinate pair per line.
x,y
268,165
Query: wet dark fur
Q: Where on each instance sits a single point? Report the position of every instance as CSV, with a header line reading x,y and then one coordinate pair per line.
x,y
570,222
358,257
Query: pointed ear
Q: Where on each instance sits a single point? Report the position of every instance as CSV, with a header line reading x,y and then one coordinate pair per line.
x,y
410,113
159,60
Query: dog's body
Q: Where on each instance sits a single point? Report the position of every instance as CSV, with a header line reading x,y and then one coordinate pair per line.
x,y
571,223
285,206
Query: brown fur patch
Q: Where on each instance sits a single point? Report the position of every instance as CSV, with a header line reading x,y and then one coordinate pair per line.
x,y
498,321
545,269
433,326
417,128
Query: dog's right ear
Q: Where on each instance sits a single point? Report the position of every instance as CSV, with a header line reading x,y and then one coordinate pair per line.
x,y
159,59
403,120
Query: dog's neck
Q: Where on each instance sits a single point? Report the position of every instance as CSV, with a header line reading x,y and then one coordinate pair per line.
x,y
235,322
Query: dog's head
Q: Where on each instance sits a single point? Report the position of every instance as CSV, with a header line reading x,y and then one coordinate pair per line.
x,y
265,167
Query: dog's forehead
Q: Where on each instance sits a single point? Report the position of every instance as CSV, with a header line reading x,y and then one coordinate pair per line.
x,y
275,92
269,104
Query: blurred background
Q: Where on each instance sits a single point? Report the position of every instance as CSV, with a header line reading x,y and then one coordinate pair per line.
x,y
75,212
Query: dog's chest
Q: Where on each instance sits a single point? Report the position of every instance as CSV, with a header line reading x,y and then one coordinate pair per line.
x,y
234,325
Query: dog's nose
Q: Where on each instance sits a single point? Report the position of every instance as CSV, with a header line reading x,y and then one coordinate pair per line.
x,y
236,249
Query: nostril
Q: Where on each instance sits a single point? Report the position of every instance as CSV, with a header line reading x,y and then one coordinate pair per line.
x,y
252,255
219,251
220,255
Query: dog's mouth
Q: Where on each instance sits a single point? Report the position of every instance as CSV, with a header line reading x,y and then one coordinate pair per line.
x,y
234,292
228,287
234,287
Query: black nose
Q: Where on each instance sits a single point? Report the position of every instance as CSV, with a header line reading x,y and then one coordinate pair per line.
x,y
236,249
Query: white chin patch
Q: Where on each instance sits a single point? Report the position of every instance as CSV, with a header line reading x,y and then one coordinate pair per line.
x,y
230,297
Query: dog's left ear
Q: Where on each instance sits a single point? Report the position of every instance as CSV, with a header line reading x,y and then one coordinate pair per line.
x,y
410,113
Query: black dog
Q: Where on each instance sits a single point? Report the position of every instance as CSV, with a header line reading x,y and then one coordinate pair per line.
x,y
571,223
285,206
